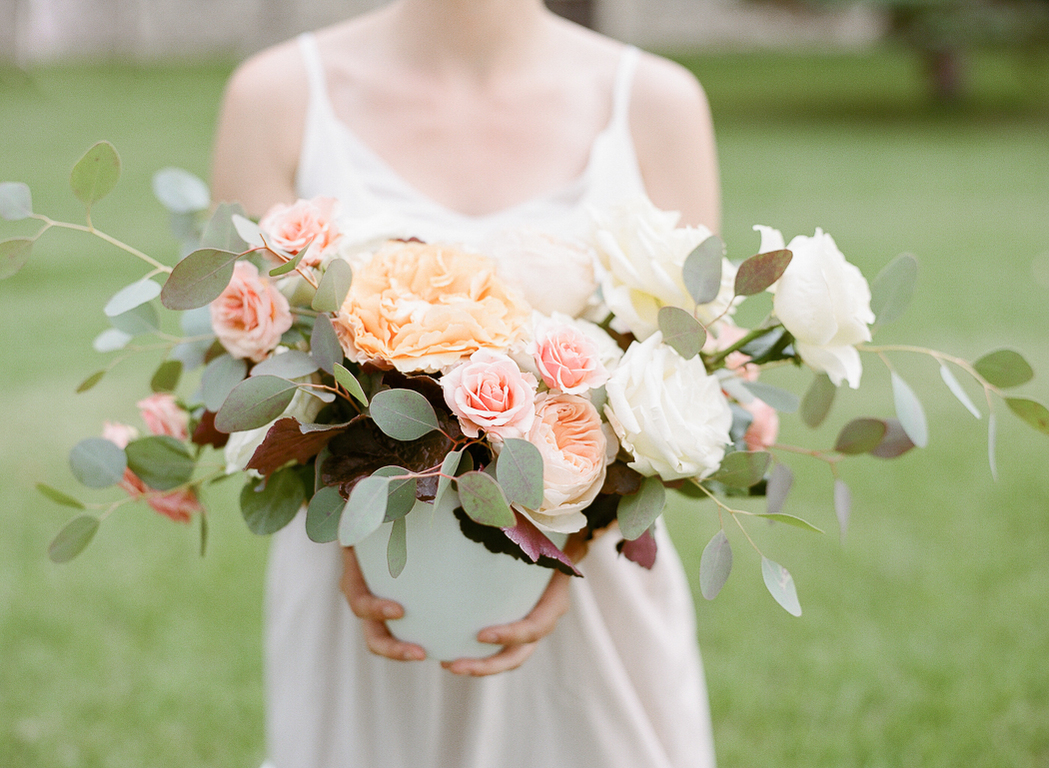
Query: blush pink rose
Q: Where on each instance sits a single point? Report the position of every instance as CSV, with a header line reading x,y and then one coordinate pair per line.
x,y
568,433
736,361
568,360
292,227
163,416
250,315
490,393
764,429
179,505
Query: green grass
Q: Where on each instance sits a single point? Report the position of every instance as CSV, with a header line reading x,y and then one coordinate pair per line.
x,y
923,641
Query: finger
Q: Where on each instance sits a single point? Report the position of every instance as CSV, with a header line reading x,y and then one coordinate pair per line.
x,y
379,641
509,658
362,602
539,623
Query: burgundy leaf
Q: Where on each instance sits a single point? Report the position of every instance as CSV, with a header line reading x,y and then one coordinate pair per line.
x,y
621,480
641,550
288,440
206,434
497,541
535,544
894,443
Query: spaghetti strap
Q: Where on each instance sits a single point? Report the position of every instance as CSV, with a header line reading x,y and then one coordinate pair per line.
x,y
311,57
623,84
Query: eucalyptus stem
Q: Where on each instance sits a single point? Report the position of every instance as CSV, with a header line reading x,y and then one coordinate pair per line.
x,y
732,512
757,333
90,229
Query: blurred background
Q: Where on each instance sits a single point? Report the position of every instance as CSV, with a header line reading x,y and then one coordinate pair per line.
x,y
910,125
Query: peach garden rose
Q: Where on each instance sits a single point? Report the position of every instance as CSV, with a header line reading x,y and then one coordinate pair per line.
x,y
421,307
567,358
490,393
308,222
250,315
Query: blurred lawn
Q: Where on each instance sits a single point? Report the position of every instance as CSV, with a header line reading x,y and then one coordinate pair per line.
x,y
924,640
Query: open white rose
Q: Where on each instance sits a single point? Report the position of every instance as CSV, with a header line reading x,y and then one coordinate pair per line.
x,y
825,303
667,412
641,251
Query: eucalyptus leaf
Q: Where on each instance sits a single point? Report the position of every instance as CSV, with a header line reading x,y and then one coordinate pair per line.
x,y
448,469
638,511
333,287
349,382
743,469
860,436
198,279
95,174
325,346
271,503
110,340
293,364
254,402
90,381
397,547
909,411
817,401
203,534
16,201
403,414
681,332
97,463
166,377
248,230
73,538
780,585
131,296
701,271
220,376
400,491
180,191
519,470
842,505
794,520
957,391
759,272
779,485
14,253
774,397
137,320
161,461
893,288
483,500
1035,414
220,232
58,497
288,266
322,515
1004,368
365,510
715,565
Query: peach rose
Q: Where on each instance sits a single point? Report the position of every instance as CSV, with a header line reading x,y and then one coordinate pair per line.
x,y
567,359
568,433
490,393
420,307
250,315
292,227
177,505
163,416
764,429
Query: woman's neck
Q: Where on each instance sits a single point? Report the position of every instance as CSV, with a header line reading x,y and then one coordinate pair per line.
x,y
477,38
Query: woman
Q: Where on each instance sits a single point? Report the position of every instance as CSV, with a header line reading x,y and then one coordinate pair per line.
x,y
452,120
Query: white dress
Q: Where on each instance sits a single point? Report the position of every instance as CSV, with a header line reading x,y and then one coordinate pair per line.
x,y
619,683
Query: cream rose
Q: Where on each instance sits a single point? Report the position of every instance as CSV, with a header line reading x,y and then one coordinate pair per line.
x,y
642,251
824,302
667,412
567,358
163,416
568,433
420,307
250,315
490,393
308,222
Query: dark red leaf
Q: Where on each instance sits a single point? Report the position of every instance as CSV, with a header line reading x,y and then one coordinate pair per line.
x,y
535,544
895,443
498,541
288,440
206,434
641,550
621,480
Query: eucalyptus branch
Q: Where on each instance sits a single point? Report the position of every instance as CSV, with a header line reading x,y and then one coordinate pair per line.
x,y
732,512
48,223
940,357
757,333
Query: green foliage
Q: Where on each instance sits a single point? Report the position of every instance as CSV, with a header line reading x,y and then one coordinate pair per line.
x,y
180,191
333,287
715,565
160,461
73,538
14,253
255,402
403,414
1004,368
198,279
818,400
95,174
893,288
349,382
322,515
909,411
484,501
637,512
759,272
16,201
97,463
519,470
397,547
780,585
269,504
365,510
681,331
702,270
743,469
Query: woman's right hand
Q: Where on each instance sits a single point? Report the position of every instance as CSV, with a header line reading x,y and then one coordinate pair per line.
x,y
374,612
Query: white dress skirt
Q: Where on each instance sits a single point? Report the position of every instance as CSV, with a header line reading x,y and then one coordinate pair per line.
x,y
619,683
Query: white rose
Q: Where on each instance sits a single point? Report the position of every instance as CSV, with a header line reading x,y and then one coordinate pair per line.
x,y
241,446
824,302
642,252
667,412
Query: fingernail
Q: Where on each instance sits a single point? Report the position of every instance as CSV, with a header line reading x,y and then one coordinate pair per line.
x,y
389,612
488,636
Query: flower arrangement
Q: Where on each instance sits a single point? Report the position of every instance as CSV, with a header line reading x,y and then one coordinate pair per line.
x,y
358,382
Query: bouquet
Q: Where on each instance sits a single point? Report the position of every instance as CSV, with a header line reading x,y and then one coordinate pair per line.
x,y
362,380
